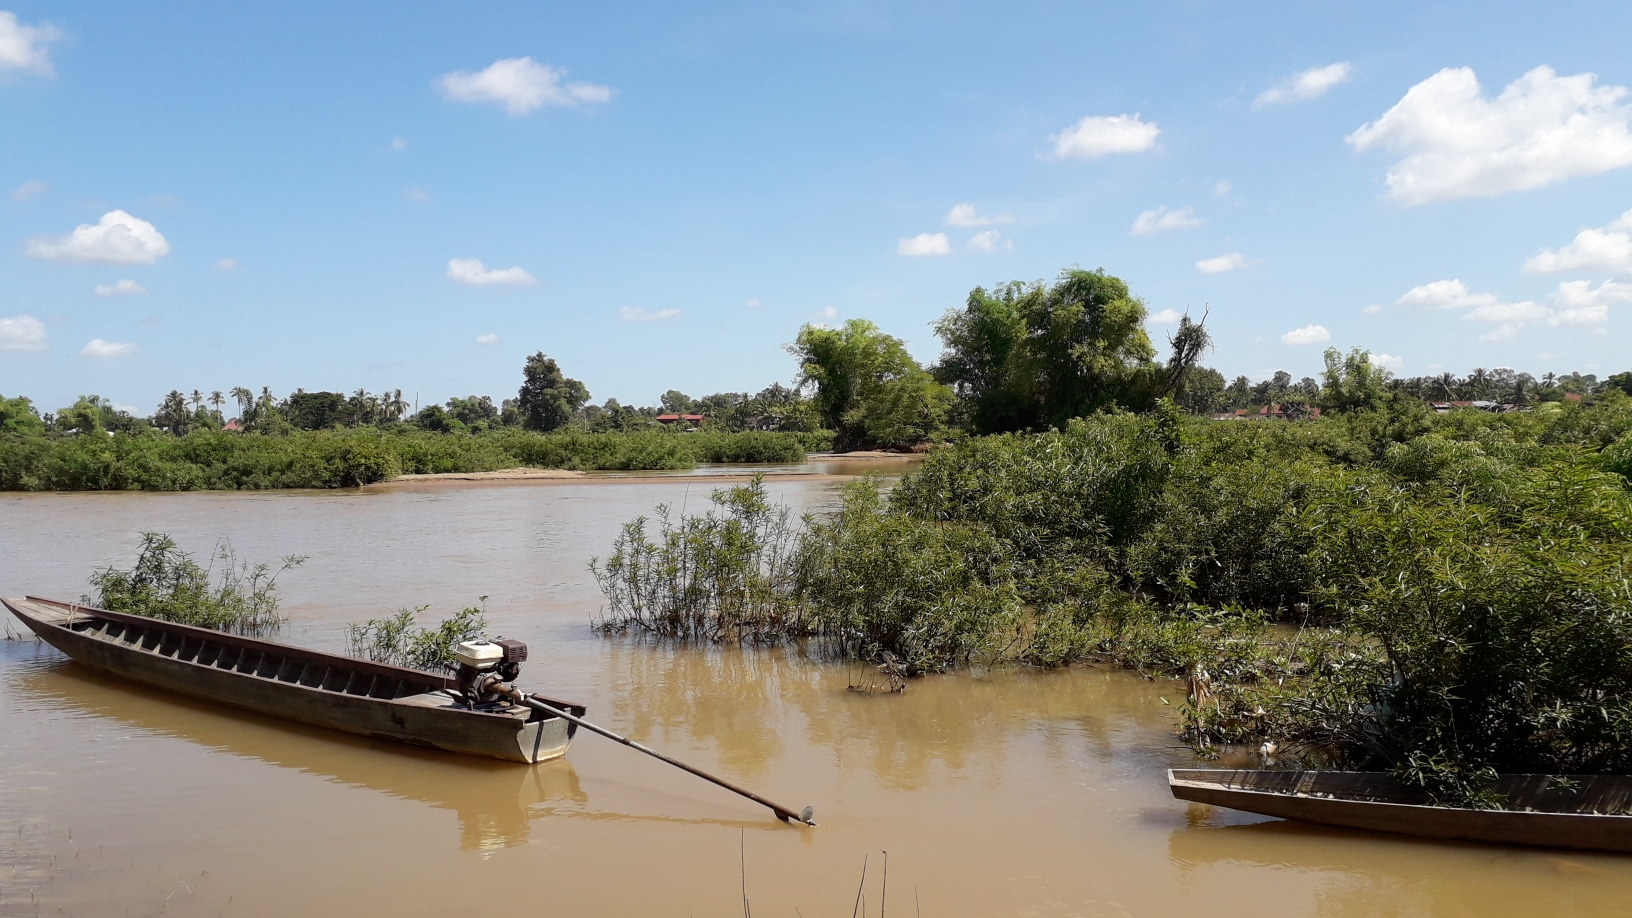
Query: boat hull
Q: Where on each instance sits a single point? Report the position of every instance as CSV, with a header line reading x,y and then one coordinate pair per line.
x,y
1590,816
295,684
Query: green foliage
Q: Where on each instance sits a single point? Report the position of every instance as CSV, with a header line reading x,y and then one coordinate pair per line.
x,y
548,399
314,410
1351,382
1023,356
869,390
397,639
167,584
721,576
147,459
17,416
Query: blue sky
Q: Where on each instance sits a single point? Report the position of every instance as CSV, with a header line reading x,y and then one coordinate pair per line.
x,y
417,196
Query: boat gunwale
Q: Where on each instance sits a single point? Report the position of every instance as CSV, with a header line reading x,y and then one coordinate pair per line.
x,y
1174,783
432,682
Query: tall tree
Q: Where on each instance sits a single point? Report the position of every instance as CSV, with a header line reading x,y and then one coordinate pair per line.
x,y
1033,355
548,398
1352,383
173,414
868,389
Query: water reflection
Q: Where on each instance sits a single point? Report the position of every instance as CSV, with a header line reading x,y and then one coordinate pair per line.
x,y
494,801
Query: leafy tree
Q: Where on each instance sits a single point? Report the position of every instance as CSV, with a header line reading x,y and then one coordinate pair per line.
x,y
1202,391
868,389
676,402
1352,382
1034,355
433,417
548,399
473,410
315,410
17,416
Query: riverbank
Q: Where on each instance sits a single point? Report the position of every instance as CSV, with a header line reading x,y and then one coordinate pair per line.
x,y
824,467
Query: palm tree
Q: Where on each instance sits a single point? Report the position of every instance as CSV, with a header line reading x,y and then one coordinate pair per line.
x,y
217,400
1447,382
394,405
1477,381
244,398
1549,380
197,399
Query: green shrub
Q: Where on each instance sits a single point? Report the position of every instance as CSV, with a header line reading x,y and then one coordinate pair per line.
x,y
167,584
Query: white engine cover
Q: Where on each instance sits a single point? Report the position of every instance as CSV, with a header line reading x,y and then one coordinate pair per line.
x,y
478,654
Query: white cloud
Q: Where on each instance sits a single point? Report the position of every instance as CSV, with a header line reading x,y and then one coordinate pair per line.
x,y
1373,309
1574,303
990,241
487,339
924,244
99,348
1096,136
1234,261
23,47
22,333
1607,248
28,190
755,303
1154,221
521,84
1167,317
118,238
1444,294
226,264
1578,303
1309,84
1309,334
124,287
1457,143
826,312
966,215
398,144
416,193
636,314
472,271
1222,188
1390,361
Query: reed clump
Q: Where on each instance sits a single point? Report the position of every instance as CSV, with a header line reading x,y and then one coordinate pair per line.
x,y
167,584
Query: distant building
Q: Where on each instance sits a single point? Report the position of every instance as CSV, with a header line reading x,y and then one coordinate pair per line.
x,y
233,426
1270,412
689,420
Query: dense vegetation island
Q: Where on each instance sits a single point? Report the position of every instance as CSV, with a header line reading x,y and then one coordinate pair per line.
x,y
1020,357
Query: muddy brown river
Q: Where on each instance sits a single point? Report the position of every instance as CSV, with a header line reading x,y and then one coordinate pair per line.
x,y
1005,794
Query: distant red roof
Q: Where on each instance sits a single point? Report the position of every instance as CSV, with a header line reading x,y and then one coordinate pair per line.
x,y
668,417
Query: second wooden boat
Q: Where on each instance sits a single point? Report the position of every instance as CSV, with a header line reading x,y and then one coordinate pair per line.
x,y
1588,812
326,690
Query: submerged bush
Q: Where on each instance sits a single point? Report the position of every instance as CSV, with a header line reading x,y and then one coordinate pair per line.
x,y
723,576
397,640
167,584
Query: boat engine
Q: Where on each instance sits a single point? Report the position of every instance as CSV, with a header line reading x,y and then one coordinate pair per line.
x,y
485,667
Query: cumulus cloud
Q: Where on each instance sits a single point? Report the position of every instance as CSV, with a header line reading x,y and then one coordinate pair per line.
x,y
1234,261
521,85
1167,317
1097,135
1309,334
1607,248
755,303
1155,221
28,190
990,241
118,239
23,47
966,215
472,271
1444,294
487,339
1579,303
924,244
99,348
1373,309
124,287
1308,84
1223,187
1574,303
398,144
636,314
226,264
1389,361
22,333
1457,143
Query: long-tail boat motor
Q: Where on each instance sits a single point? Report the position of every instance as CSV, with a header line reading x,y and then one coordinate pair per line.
x,y
485,667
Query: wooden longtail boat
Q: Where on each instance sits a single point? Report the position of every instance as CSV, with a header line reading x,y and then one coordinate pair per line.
x,y
1588,812
326,690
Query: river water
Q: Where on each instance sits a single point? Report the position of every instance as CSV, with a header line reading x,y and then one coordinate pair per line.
x,y
1010,794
